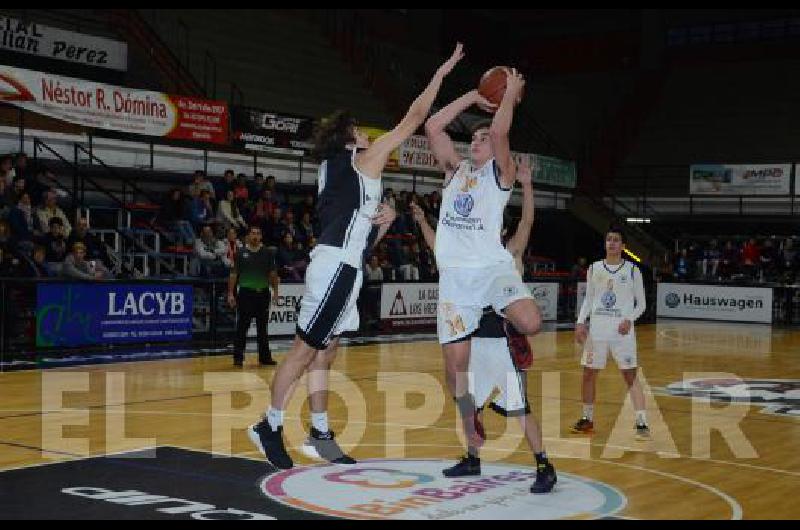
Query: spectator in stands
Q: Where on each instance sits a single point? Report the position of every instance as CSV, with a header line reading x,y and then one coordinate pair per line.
x,y
683,265
21,165
5,202
200,184
209,253
19,187
751,258
95,249
730,262
664,269
408,269
312,242
290,265
277,196
263,209
7,170
175,215
710,262
35,266
373,269
435,204
578,271
389,197
305,229
291,226
240,190
425,262
224,185
50,210
228,214
202,210
6,239
257,186
38,186
78,267
306,207
232,247
55,242
274,228
9,264
302,253
789,259
24,227
388,270
769,261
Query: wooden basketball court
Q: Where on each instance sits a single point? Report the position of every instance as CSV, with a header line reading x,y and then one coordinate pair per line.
x,y
709,459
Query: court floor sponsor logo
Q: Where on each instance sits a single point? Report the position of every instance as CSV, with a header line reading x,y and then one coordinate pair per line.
x,y
778,396
165,504
416,489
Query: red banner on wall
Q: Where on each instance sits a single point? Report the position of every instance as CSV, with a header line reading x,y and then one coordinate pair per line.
x,y
115,108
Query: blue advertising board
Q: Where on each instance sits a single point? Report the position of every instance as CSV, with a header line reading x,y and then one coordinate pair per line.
x,y
80,314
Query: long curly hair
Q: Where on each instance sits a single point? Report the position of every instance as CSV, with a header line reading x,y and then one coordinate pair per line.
x,y
332,134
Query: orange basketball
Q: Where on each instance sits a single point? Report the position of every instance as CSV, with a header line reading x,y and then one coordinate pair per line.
x,y
492,85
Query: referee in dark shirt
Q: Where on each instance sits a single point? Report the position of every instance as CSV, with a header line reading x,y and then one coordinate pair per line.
x,y
254,268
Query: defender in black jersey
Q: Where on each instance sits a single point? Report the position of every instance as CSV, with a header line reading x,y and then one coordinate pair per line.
x,y
353,219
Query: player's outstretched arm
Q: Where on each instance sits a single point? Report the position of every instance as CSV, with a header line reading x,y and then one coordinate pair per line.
x,y
372,161
427,232
501,126
519,241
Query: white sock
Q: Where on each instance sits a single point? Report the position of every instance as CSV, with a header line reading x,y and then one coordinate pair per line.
x,y
588,411
275,418
319,420
641,417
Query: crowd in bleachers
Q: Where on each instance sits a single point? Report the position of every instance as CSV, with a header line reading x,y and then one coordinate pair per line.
x,y
37,238
747,260
206,220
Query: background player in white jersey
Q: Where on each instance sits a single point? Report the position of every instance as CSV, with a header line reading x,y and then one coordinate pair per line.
x,y
350,214
475,270
614,300
499,356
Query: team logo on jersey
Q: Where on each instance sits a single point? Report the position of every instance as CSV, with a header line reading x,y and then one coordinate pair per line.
x,y
609,299
776,396
469,182
245,254
464,204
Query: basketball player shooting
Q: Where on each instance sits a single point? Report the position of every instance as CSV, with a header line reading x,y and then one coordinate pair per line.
x,y
476,270
499,357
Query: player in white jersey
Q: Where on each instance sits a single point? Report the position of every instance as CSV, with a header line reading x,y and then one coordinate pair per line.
x,y
614,300
352,220
499,355
475,270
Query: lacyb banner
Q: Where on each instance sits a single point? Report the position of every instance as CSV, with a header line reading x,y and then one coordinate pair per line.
x,y
79,314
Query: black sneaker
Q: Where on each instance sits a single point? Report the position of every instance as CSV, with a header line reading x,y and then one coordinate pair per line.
x,y
468,466
268,362
238,363
643,432
583,426
322,445
545,478
270,443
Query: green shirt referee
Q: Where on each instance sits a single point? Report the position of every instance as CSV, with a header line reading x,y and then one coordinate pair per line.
x,y
254,269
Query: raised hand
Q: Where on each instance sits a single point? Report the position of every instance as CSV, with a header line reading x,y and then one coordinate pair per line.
x,y
524,171
451,63
515,84
385,215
